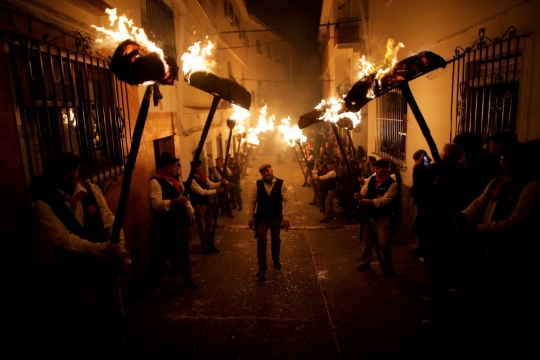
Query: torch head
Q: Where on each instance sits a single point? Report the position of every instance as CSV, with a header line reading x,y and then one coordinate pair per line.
x,y
224,88
405,70
231,123
345,123
134,64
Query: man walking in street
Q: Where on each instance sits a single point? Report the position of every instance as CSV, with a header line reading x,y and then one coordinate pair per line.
x,y
377,200
200,189
172,215
269,201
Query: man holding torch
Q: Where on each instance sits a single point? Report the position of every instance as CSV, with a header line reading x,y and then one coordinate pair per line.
x,y
200,189
269,201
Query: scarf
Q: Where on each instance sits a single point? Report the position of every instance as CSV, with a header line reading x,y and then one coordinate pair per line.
x,y
269,182
73,200
172,180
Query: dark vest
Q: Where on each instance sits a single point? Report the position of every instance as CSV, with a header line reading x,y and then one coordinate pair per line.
x,y
92,230
195,198
507,199
176,216
329,184
311,164
374,192
269,206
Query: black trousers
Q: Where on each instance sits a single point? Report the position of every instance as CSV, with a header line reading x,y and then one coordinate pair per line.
x,y
170,245
264,224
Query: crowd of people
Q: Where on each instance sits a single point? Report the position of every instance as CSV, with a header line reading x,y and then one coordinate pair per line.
x,y
476,214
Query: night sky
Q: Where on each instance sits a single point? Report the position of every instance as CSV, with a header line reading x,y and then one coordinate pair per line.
x,y
301,15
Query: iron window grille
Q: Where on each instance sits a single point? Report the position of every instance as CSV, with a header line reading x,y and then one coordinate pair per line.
x,y
485,85
161,26
68,101
391,127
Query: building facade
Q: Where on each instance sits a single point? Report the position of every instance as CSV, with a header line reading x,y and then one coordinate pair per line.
x,y
60,95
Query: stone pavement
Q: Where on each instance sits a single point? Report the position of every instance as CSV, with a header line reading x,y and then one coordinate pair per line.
x,y
317,307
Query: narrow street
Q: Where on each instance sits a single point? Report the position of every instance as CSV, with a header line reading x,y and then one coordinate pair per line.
x,y
317,307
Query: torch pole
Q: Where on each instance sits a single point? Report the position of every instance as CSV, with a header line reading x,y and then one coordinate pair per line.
x,y
225,193
305,159
301,168
130,165
406,90
213,108
342,150
351,145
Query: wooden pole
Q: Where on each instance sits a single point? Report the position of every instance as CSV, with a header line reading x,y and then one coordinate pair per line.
x,y
406,90
130,165
213,108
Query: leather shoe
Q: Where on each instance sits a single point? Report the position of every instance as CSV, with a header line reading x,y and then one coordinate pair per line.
x,y
240,208
364,267
325,220
206,251
230,216
260,276
233,207
277,265
312,203
213,250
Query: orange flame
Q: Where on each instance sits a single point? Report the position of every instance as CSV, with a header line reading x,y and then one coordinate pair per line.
x,y
390,59
124,31
198,59
291,134
333,109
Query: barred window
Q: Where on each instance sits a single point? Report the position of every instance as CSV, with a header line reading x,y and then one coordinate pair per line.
x,y
391,127
69,101
486,86
160,26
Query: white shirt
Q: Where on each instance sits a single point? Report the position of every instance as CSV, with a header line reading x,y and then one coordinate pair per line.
x,y
269,187
386,198
59,233
196,188
328,175
156,198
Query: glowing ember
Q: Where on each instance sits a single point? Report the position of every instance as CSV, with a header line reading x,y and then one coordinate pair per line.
x,y
198,59
291,134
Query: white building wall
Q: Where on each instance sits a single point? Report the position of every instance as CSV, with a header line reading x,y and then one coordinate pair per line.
x,y
440,26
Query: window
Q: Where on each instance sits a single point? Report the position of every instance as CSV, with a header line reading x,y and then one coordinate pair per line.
x,y
391,127
69,101
229,11
486,88
160,26
259,50
268,51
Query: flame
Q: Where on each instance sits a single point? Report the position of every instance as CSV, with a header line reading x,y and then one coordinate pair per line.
x,y
291,134
240,114
390,59
331,108
124,31
197,58
252,138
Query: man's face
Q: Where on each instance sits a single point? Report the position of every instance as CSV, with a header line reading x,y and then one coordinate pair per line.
x,y
68,182
219,163
327,144
267,173
170,170
380,171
